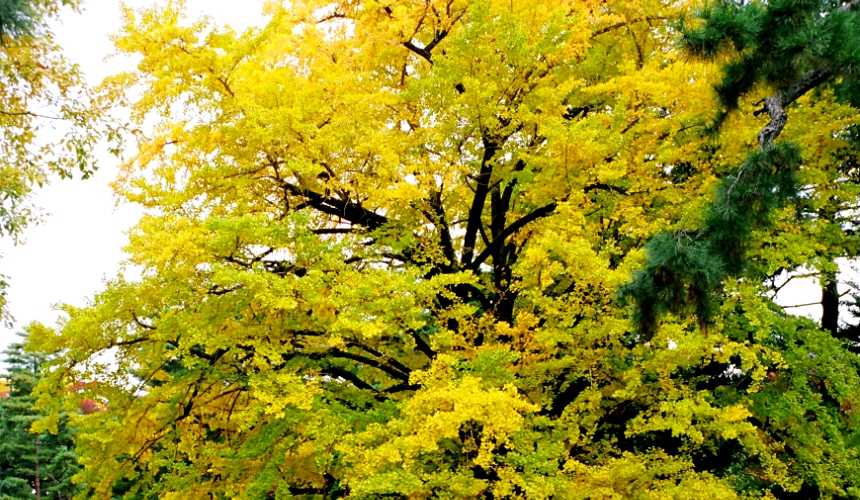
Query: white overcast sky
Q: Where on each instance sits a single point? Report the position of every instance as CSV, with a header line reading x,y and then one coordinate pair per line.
x,y
67,257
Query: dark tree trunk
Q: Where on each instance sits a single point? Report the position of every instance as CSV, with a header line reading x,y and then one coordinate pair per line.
x,y
830,303
37,483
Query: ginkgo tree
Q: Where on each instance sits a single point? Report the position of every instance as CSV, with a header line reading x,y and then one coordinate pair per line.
x,y
388,243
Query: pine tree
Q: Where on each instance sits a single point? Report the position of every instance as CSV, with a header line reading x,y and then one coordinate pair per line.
x,y
19,18
792,47
31,465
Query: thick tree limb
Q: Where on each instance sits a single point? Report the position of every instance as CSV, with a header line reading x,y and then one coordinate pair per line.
x,y
508,193
423,52
482,189
422,345
511,230
775,104
602,186
333,230
358,358
401,388
388,359
336,371
426,52
441,223
345,209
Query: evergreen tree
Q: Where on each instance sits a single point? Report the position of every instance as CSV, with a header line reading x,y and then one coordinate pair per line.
x,y
20,18
792,47
31,465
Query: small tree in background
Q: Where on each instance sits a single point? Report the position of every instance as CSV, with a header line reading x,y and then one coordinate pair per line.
x,y
31,465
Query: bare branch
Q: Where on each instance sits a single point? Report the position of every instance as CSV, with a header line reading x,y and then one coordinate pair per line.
x,y
623,24
32,114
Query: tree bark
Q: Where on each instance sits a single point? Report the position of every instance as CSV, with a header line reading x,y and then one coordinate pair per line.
x,y
830,303
37,482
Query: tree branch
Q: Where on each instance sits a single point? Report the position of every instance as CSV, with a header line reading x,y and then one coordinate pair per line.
x,y
390,370
345,209
543,211
426,52
423,52
140,323
775,104
482,188
422,345
623,24
336,371
602,186
802,305
444,231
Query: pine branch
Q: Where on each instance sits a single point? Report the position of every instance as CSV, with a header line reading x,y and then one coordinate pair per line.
x,y
775,104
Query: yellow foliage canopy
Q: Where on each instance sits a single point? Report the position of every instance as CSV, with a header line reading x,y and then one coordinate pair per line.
x,y
382,252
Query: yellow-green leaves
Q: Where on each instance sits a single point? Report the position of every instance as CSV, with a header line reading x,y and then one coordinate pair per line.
x,y
382,254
